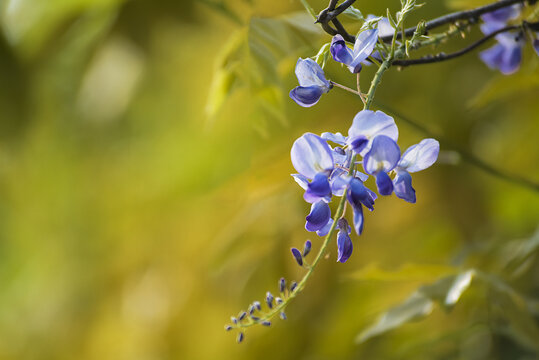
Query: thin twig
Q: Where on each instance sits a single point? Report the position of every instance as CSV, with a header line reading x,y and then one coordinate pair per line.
x,y
443,57
460,15
330,13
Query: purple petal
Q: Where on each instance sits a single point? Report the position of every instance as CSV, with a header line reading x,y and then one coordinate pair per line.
x,y
344,243
310,155
358,194
488,28
502,15
306,96
325,230
420,156
505,56
511,59
358,143
361,176
384,183
536,46
492,57
385,28
339,180
403,186
318,189
309,73
369,124
318,217
364,45
383,155
340,52
337,138
301,180
358,220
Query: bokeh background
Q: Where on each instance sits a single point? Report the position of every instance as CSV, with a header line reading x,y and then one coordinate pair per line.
x,y
145,193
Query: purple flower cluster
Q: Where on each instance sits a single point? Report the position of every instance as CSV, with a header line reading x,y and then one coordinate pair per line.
x,y
506,55
324,171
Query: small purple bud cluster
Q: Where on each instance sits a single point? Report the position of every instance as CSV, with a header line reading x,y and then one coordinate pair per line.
x,y
255,313
325,171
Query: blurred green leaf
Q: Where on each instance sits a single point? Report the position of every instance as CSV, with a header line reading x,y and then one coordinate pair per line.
x,y
415,307
502,87
407,272
354,13
446,291
251,59
29,25
309,8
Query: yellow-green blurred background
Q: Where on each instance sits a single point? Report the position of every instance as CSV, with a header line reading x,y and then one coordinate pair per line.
x,y
145,193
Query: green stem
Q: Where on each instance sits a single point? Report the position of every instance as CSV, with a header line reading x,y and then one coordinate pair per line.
x,y
280,307
376,81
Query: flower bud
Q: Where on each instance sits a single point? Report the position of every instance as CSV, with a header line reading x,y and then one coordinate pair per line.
x,y
269,299
307,248
297,256
240,337
282,285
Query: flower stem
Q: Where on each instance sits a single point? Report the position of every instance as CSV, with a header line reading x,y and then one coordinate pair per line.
x,y
291,295
376,81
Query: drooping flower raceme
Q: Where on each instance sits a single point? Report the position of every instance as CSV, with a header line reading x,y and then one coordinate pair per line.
x,y
312,83
324,171
363,47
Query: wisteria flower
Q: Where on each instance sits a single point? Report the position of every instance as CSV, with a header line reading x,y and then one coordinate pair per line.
x,y
416,158
381,159
312,83
383,25
313,160
506,55
363,47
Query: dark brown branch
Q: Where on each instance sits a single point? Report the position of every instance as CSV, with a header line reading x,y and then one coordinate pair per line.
x,y
443,57
461,15
331,12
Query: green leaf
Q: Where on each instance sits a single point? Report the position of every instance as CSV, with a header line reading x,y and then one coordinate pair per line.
x,y
354,13
252,59
415,307
460,284
446,291
502,87
309,8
